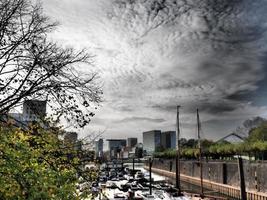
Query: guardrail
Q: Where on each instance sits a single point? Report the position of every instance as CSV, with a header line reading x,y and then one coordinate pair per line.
x,y
228,190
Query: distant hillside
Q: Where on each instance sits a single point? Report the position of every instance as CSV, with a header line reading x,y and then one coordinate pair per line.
x,y
247,125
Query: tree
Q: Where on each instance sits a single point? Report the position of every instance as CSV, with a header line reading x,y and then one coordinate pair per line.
x,y
31,67
258,134
34,164
191,143
183,142
257,142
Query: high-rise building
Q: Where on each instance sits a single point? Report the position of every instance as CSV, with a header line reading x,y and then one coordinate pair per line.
x,y
34,110
131,142
168,139
70,137
99,148
115,146
151,140
78,145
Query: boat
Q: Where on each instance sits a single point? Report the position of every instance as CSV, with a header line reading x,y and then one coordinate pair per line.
x,y
179,194
140,186
120,195
160,195
111,185
139,175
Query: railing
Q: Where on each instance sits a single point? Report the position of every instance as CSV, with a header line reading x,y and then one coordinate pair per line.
x,y
218,187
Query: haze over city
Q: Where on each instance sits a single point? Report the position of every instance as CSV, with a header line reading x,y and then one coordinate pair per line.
x,y
154,55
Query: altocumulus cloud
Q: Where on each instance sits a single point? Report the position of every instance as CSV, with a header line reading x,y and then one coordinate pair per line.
x,y
137,119
155,54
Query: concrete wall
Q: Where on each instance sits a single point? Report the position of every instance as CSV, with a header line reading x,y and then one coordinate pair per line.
x,y
222,172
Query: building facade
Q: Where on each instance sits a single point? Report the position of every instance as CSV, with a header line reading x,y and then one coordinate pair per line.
x,y
99,144
151,140
115,146
168,139
34,110
131,142
70,137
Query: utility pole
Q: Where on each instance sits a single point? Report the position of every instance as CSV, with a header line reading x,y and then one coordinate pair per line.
x,y
200,156
178,184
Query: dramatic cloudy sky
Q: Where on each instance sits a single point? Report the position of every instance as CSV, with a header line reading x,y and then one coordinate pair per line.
x,y
155,54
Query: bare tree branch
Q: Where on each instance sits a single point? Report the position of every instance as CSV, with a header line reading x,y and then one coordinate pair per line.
x,y
33,68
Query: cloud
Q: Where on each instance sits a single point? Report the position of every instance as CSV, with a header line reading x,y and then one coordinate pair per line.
x,y
142,119
154,54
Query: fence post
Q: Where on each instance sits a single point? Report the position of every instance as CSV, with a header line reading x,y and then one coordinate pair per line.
x,y
242,179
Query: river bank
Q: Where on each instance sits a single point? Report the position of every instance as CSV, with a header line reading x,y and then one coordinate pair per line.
x,y
220,176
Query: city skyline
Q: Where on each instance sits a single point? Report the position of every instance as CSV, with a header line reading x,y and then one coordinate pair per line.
x,y
152,56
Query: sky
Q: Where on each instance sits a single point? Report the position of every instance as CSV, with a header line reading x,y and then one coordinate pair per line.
x,y
152,55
